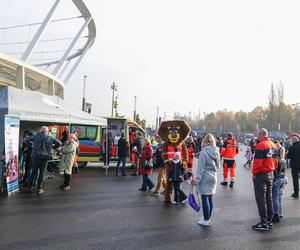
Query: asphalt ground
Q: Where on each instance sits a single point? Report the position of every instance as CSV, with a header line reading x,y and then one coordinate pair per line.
x,y
108,212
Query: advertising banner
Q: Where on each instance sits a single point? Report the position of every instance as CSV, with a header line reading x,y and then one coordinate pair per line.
x,y
11,137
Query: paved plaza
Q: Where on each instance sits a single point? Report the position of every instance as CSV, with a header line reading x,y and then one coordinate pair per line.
x,y
108,212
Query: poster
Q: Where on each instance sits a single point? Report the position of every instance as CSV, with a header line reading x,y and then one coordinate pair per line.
x,y
11,137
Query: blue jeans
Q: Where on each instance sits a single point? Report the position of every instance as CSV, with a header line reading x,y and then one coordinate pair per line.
x,y
278,183
38,166
207,206
178,191
280,204
147,182
123,161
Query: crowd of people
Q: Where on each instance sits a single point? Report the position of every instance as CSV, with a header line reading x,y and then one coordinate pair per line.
x,y
37,150
267,158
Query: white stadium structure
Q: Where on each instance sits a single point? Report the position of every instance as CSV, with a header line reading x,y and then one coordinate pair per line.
x,y
48,76
31,83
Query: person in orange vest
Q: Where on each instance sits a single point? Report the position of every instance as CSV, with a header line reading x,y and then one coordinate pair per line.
x,y
264,165
174,134
229,152
191,147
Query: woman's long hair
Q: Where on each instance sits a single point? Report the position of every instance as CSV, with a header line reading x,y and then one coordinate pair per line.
x,y
208,139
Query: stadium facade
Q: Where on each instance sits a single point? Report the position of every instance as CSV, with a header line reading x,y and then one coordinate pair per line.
x,y
22,74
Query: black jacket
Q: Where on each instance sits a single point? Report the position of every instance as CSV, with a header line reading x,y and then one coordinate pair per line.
x,y
48,142
177,172
138,144
158,162
123,147
294,155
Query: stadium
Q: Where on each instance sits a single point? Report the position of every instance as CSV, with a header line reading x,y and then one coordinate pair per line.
x,y
38,59
30,69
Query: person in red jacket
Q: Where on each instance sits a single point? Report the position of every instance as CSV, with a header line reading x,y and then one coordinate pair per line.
x,y
229,152
144,169
191,147
264,165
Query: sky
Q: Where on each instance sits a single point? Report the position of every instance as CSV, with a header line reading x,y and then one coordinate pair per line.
x,y
180,55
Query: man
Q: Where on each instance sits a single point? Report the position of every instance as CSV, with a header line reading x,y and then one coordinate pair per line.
x,y
123,148
158,162
264,165
27,149
41,153
287,146
229,152
294,157
137,148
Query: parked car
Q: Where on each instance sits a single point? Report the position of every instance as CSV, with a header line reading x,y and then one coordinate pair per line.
x,y
278,135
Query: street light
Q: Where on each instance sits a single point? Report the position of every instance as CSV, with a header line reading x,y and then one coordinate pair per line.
x,y
157,118
83,94
134,109
114,88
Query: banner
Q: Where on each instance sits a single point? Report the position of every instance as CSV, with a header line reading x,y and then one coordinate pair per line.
x,y
11,137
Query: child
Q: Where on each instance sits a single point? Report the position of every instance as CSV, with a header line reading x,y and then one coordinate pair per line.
x,y
249,157
176,177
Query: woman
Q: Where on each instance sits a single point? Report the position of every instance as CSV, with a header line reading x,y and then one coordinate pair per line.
x,y
278,183
146,169
67,160
206,176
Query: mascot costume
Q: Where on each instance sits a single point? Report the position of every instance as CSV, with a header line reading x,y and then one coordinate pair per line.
x,y
174,134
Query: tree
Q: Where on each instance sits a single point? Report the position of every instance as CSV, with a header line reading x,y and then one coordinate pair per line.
x,y
273,101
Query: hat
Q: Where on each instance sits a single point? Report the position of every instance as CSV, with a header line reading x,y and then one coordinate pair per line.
x,y
177,154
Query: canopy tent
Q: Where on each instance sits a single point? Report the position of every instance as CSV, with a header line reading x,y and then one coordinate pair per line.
x,y
35,106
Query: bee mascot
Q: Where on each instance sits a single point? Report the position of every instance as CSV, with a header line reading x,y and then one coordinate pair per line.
x,y
173,133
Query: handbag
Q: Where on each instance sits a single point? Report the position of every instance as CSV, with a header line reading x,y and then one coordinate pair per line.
x,y
147,164
192,201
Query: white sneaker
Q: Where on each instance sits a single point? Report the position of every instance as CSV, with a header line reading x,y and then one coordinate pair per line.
x,y
104,166
174,202
184,201
200,218
204,223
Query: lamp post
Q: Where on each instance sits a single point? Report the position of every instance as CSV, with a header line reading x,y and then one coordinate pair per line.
x,y
157,118
84,92
114,88
134,109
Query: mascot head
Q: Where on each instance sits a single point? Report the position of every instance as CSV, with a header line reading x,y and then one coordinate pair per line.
x,y
174,132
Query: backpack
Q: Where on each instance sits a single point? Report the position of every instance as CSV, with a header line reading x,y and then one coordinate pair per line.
x,y
42,152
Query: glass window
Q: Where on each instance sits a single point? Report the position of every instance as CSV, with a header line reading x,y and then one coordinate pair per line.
x,y
91,133
81,130
85,132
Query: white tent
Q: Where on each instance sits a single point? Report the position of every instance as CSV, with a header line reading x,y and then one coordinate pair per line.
x,y
35,106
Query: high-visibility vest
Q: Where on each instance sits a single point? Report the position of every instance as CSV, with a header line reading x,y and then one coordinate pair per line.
x,y
172,150
230,150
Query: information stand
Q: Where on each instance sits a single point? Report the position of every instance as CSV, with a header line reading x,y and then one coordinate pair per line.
x,y
11,148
